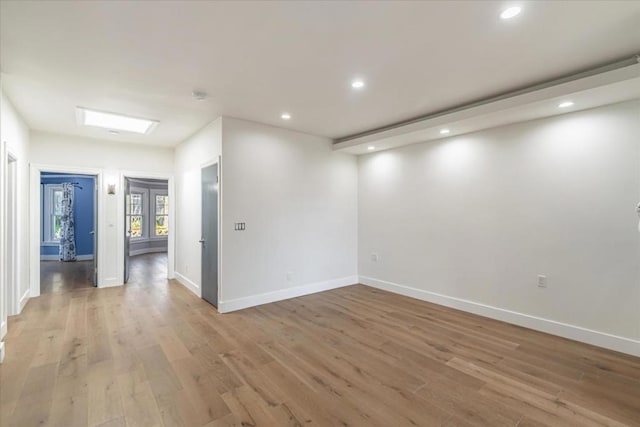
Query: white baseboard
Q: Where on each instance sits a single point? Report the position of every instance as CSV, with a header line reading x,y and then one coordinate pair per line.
x,y
1,352
3,329
312,288
110,282
187,283
23,300
577,333
57,257
146,251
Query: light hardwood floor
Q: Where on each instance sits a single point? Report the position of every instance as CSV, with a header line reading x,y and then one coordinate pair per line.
x,y
151,353
56,276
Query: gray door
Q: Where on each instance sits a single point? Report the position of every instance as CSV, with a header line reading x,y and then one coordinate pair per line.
x,y
127,227
209,240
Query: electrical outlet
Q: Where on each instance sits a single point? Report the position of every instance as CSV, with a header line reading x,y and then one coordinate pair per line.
x,y
542,281
374,257
239,226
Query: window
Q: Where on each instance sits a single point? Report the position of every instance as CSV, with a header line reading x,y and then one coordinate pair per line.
x,y
161,215
148,213
52,214
136,216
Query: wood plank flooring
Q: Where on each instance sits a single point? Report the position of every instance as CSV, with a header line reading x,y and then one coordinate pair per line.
x,y
57,276
152,354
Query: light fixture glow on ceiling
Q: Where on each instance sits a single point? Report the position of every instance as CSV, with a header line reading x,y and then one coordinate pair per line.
x,y
510,12
444,131
371,147
117,122
285,116
357,84
565,104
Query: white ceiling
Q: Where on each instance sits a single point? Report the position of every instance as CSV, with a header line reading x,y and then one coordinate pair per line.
x,y
258,59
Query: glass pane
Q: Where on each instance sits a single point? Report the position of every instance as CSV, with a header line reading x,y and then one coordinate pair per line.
x,y
162,225
136,204
57,202
57,227
162,205
136,226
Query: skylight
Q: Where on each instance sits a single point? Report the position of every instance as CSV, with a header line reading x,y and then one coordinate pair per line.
x,y
112,121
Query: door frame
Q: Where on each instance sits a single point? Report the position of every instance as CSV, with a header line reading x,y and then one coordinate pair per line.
x,y
218,161
171,238
35,207
12,297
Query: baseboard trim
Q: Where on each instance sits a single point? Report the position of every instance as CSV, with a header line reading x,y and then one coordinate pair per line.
x,y
184,281
577,333
23,300
3,329
146,251
57,257
1,352
298,291
110,283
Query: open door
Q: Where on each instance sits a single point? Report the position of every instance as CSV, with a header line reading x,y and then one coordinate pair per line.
x,y
209,240
127,227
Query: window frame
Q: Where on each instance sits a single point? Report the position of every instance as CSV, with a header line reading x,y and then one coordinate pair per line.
x,y
152,218
144,222
48,214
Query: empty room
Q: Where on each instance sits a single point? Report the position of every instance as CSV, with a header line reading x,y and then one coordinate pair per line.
x,y
319,213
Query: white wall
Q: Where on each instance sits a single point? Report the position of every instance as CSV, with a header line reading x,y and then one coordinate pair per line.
x,y
298,200
111,160
202,148
480,216
14,138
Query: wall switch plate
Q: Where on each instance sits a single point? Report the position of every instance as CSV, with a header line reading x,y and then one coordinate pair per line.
x,y
542,281
289,276
374,257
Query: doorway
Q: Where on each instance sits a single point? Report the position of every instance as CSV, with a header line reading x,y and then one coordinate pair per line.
x,y
68,238
146,238
209,240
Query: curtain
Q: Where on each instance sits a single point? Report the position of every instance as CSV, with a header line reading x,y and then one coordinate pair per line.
x,y
67,232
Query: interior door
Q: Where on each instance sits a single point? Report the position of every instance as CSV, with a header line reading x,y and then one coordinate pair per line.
x,y
209,240
127,227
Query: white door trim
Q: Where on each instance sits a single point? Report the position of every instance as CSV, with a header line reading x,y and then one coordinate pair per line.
x,y
171,238
34,217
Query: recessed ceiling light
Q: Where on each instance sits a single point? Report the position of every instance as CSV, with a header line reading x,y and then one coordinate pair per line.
x,y
115,122
510,12
357,84
444,131
371,147
565,104
285,116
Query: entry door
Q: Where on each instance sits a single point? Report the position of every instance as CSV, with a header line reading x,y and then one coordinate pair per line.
x,y
209,240
127,227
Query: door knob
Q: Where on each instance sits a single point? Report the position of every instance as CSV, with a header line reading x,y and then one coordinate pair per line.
x,y
201,241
